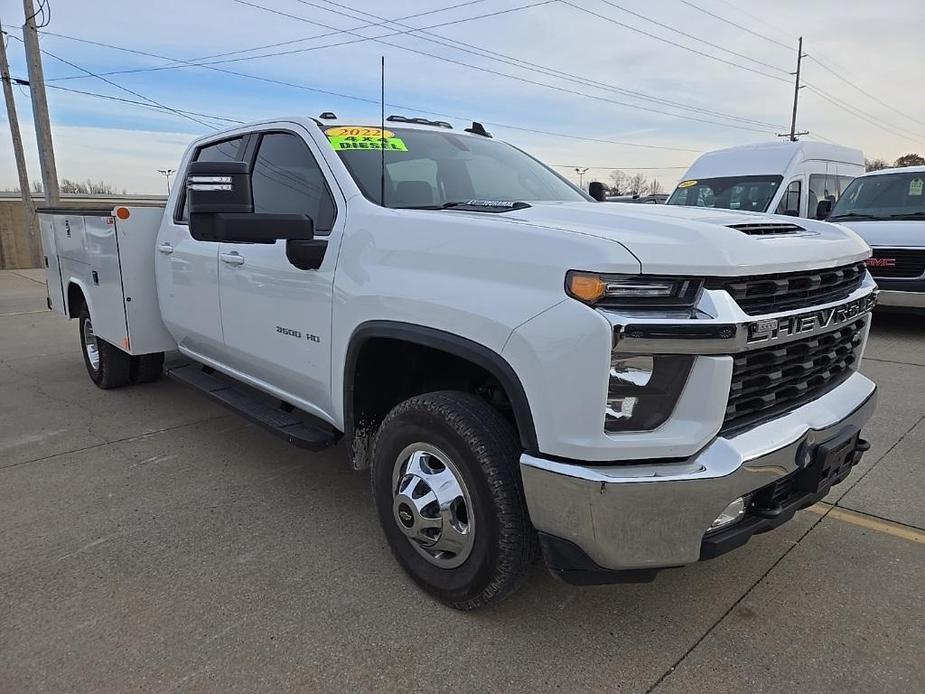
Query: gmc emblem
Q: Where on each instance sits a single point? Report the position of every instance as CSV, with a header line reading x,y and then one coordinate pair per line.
x,y
881,262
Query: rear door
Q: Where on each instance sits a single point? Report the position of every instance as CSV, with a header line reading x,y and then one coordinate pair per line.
x,y
276,318
187,270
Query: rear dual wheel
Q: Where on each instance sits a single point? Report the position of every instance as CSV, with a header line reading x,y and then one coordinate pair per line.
x,y
450,500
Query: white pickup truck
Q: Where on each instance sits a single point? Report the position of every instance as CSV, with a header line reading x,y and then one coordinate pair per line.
x,y
624,388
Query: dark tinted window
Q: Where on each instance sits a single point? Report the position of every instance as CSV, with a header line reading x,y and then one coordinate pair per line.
x,y
227,150
287,179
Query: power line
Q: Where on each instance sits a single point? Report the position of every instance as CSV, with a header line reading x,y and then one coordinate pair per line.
x,y
404,107
737,26
691,36
810,56
144,104
365,25
483,69
481,52
862,91
533,67
669,42
126,89
863,115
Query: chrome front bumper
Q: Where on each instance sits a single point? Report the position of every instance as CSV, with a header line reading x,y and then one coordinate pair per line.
x,y
889,297
655,514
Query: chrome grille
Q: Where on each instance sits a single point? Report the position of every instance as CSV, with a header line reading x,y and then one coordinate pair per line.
x,y
762,294
771,381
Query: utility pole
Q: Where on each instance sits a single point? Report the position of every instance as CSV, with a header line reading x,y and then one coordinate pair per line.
x,y
27,203
793,134
581,171
166,173
30,37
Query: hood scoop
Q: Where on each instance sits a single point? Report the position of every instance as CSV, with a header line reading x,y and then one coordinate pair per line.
x,y
767,228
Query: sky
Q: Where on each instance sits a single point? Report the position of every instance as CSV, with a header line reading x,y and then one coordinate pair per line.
x,y
577,83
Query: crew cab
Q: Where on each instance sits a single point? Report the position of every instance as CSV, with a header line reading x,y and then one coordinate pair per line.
x,y
887,209
524,370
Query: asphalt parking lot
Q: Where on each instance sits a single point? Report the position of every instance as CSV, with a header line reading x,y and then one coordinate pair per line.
x,y
150,540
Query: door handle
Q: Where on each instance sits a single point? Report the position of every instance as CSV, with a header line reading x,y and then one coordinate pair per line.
x,y
165,248
233,258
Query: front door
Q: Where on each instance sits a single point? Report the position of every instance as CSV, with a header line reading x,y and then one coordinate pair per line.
x,y
187,271
276,318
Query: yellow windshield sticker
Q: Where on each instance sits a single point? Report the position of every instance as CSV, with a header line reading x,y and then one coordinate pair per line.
x,y
357,131
687,184
915,186
345,142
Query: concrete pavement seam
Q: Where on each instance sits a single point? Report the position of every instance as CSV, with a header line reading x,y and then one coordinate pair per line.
x,y
134,437
26,277
880,459
742,597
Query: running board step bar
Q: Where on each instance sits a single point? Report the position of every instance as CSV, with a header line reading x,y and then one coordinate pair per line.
x,y
298,428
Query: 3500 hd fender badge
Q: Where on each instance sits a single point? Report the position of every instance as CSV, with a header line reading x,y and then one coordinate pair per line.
x,y
774,329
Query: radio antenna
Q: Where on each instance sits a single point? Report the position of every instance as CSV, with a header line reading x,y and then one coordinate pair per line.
x,y
382,131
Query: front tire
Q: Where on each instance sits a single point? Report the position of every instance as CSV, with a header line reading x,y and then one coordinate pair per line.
x,y
107,365
450,499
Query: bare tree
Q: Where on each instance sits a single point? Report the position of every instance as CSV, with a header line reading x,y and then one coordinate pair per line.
x,y
89,187
638,184
619,182
875,164
655,187
910,160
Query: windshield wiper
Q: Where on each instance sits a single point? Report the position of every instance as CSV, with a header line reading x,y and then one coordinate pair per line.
x,y
485,205
852,215
908,215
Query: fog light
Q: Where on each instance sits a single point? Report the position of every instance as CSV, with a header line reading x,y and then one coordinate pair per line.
x,y
731,514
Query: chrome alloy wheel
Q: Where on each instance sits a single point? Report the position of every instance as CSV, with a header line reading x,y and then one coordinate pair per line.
x,y
432,506
91,346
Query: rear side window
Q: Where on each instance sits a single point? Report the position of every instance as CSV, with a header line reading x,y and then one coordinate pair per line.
x,y
286,179
226,150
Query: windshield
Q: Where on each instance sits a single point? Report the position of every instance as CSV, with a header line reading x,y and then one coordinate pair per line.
x,y
883,196
434,168
751,193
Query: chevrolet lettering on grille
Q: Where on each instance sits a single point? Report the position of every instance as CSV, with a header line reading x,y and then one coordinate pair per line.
x,y
770,330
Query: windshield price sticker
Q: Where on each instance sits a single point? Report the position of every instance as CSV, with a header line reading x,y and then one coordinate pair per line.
x,y
915,186
687,184
377,143
357,131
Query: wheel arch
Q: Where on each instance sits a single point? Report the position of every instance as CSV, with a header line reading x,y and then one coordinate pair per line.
x,y
450,344
76,296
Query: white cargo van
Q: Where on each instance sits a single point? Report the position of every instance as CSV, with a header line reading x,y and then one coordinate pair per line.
x,y
781,177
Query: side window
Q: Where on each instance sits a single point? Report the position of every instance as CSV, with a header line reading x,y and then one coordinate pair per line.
x,y
227,150
287,180
790,202
826,187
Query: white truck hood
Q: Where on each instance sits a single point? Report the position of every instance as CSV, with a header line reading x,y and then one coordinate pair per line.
x,y
696,241
901,232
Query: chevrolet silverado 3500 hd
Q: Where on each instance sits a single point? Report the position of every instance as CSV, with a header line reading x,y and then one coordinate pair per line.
x,y
622,387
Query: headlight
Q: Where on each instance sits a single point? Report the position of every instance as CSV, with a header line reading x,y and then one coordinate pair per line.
x,y
632,291
643,389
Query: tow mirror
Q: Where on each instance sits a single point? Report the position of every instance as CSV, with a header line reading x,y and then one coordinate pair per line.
x,y
221,208
596,191
823,209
